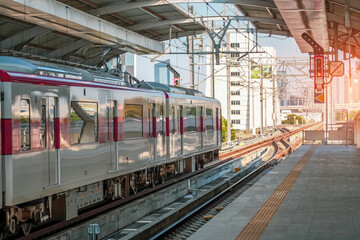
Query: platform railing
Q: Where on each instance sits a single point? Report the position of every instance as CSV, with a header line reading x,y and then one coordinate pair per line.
x,y
338,133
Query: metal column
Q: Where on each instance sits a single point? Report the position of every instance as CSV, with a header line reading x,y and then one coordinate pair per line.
x,y
228,92
261,101
191,55
212,67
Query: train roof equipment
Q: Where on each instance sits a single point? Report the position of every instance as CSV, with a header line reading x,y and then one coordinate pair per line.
x,y
14,64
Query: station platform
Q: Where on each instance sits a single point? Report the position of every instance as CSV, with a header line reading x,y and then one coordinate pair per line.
x,y
312,194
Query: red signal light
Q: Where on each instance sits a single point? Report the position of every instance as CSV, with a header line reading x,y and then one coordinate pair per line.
x,y
319,66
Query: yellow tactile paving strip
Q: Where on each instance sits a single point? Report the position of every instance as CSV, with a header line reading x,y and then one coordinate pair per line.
x,y
257,225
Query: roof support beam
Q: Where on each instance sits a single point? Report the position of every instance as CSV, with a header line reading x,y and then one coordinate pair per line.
x,y
23,37
58,16
152,13
331,17
72,47
120,6
147,25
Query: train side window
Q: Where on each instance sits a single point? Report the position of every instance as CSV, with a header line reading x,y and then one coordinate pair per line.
x,y
25,124
190,119
84,124
52,125
43,124
149,121
161,120
172,120
209,120
133,121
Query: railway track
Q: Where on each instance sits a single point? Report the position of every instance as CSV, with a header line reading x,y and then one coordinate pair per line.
x,y
190,223
225,157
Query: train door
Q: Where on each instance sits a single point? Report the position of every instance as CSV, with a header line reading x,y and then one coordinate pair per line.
x,y
202,127
112,134
49,133
182,128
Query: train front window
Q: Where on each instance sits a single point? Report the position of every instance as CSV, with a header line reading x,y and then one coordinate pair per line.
x,y
25,124
133,121
83,118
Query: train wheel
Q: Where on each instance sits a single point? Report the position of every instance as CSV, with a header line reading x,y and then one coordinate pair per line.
x,y
133,184
153,179
26,228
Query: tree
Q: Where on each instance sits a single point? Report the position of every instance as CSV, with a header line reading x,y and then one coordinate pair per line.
x,y
291,117
224,130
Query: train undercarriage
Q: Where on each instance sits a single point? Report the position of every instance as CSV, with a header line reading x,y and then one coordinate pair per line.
x,y
67,205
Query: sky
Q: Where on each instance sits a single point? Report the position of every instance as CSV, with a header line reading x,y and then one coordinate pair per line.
x,y
285,47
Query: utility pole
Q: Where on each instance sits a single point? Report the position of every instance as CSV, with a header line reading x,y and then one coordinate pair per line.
x,y
249,82
261,101
336,54
191,55
273,100
228,92
265,109
212,67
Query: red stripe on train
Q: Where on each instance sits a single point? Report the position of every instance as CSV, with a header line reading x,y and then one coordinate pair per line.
x,y
181,125
57,132
167,131
4,76
217,124
154,127
6,136
116,129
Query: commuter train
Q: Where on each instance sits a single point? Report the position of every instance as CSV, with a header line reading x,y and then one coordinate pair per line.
x,y
72,138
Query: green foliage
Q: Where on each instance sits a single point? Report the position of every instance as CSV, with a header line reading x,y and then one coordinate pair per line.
x,y
352,114
290,119
224,130
74,117
24,119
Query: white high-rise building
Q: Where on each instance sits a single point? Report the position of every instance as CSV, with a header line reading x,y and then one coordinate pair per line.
x,y
243,73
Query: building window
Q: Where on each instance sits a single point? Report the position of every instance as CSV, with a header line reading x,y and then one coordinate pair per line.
x,y
237,83
235,112
133,121
235,121
190,119
83,118
25,124
233,55
235,73
235,93
235,102
235,45
209,120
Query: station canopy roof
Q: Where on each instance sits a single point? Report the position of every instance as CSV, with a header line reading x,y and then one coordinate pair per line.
x,y
88,31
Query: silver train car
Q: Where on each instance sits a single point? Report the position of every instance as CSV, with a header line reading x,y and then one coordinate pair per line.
x,y
70,140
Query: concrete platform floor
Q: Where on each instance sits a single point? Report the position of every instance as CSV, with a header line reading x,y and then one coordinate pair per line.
x,y
323,203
